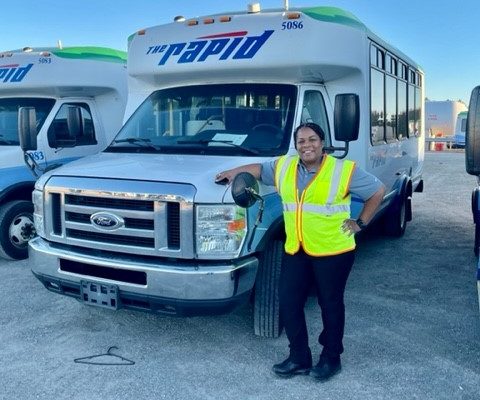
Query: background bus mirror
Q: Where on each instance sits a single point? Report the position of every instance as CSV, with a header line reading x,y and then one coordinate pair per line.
x,y
347,117
245,190
472,134
27,128
74,121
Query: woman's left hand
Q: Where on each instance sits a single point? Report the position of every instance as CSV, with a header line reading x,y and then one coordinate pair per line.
x,y
350,227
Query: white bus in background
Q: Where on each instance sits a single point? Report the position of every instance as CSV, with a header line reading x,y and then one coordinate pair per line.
x,y
142,225
460,128
441,117
52,80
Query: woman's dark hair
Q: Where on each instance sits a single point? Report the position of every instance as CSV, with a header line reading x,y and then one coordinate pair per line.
x,y
314,127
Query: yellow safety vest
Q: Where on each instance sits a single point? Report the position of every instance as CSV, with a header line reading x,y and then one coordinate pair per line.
x,y
315,220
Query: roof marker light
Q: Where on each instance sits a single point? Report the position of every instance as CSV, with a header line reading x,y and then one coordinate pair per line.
x,y
292,15
141,32
254,8
192,22
45,54
225,19
208,21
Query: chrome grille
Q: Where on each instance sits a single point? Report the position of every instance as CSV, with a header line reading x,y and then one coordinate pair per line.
x,y
158,220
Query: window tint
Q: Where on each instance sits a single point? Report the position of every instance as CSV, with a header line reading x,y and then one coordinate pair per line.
x,y
377,114
59,134
402,110
314,111
411,111
9,116
418,111
396,97
391,109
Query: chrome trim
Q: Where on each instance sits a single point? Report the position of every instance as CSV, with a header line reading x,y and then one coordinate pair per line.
x,y
168,279
158,193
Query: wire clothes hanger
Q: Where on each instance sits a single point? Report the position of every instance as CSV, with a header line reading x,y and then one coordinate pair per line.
x,y
91,359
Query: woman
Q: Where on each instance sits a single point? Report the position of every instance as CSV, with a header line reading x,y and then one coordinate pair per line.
x,y
315,189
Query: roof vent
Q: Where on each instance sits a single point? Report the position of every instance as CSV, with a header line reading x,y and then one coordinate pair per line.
x,y
179,18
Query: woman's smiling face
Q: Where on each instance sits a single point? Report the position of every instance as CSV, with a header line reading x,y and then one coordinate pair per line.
x,y
309,147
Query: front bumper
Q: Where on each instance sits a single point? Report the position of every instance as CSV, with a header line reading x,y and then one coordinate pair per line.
x,y
167,286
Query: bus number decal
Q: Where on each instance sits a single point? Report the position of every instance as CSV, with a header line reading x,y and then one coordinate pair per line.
x,y
37,155
44,60
287,25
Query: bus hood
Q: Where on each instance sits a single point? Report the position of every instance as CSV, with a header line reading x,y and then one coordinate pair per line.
x,y
196,170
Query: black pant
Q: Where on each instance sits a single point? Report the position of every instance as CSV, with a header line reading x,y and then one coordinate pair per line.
x,y
329,275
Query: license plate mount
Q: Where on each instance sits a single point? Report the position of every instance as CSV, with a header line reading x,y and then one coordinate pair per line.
x,y
99,294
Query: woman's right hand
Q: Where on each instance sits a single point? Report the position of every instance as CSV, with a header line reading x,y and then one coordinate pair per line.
x,y
225,177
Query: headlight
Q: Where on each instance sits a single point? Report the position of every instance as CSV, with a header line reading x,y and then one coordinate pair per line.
x,y
220,231
37,199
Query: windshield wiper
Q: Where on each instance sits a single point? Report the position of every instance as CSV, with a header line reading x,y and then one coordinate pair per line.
x,y
228,142
141,142
6,141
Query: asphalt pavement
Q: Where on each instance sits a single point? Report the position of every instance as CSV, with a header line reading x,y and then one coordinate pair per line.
x,y
412,329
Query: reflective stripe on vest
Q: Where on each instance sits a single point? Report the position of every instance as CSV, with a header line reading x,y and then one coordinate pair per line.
x,y
315,220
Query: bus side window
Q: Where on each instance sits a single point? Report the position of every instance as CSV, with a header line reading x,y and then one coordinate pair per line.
x,y
313,110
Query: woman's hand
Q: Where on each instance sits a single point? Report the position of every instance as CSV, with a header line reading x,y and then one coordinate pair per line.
x,y
350,227
225,177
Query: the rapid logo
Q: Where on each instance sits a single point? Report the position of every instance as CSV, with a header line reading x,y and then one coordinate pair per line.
x,y
234,45
13,73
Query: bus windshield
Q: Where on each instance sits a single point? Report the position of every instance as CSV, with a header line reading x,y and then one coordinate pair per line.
x,y
230,119
9,116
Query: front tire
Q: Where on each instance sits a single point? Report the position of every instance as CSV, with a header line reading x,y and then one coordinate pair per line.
x,y
16,229
266,303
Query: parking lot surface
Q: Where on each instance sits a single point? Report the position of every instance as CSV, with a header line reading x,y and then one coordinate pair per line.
x,y
412,329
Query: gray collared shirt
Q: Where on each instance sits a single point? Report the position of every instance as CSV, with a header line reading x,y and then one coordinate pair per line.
x,y
363,184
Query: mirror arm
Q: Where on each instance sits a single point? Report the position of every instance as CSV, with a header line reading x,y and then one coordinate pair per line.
x,y
31,164
331,149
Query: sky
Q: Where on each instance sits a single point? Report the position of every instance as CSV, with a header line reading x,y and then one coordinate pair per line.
x,y
442,36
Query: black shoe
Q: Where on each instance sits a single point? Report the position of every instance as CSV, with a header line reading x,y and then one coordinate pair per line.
x,y
288,368
325,369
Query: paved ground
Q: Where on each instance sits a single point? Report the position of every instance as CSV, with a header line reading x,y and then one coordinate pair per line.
x,y
412,332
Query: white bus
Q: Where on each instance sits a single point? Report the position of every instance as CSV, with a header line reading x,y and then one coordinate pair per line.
x,y
52,80
142,225
460,128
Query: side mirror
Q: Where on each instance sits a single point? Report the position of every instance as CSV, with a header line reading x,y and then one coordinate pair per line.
x,y
245,190
346,117
472,134
27,128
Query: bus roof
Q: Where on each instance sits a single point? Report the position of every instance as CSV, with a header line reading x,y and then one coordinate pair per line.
x,y
75,52
333,15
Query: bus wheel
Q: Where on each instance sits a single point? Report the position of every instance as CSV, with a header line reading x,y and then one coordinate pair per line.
x,y
16,229
476,247
395,220
266,311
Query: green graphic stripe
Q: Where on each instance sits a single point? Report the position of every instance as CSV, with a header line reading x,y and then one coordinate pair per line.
x,y
334,15
92,53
